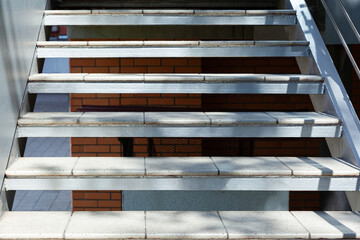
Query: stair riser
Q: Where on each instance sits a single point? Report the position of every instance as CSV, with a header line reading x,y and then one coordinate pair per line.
x,y
236,88
121,20
264,131
150,52
190,183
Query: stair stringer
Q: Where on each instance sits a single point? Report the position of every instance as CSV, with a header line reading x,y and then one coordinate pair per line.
x,y
335,101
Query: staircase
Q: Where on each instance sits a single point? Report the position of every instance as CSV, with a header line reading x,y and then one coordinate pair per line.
x,y
334,120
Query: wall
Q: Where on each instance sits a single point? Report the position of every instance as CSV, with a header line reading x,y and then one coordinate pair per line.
x,y
19,27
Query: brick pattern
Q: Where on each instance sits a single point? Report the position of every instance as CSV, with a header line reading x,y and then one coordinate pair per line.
x,y
111,147
90,200
96,200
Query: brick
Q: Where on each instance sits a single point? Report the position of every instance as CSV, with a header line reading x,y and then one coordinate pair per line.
x,y
109,203
77,195
97,209
83,95
133,101
77,148
108,95
147,61
195,141
116,209
194,61
116,195
187,69
161,101
82,62
78,209
115,149
140,148
109,155
108,140
133,69
75,102
97,195
175,141
140,141
127,61
96,148
141,154
187,148
95,69
83,140
174,61
114,102
85,203
164,69
188,101
114,69
166,148
97,102
76,70
107,62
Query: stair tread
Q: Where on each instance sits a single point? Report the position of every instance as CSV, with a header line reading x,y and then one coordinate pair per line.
x,y
186,44
168,12
111,17
179,225
73,167
148,77
175,118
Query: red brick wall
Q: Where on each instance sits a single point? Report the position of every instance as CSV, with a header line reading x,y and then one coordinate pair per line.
x,y
90,200
111,147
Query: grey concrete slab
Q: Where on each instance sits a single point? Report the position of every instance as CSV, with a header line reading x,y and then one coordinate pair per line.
x,y
109,166
49,118
319,166
184,225
111,118
41,167
33,225
330,224
268,225
106,225
251,166
303,118
240,118
180,166
176,118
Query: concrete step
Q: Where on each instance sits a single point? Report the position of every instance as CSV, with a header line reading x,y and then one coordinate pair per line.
x,y
180,225
116,49
182,173
176,83
168,17
179,124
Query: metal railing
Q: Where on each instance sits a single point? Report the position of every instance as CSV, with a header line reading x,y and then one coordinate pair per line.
x,y
342,39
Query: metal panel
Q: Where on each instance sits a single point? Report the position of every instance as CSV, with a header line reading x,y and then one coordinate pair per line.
x,y
190,183
242,87
269,131
117,20
135,52
20,22
335,98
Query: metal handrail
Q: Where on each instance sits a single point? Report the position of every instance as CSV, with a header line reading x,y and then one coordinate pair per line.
x,y
348,18
342,39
